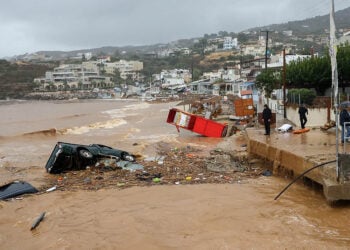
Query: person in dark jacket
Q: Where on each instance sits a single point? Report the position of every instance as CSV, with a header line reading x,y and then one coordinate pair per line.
x,y
266,117
344,117
302,115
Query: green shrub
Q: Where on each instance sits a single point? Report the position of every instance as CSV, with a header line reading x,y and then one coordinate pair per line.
x,y
300,96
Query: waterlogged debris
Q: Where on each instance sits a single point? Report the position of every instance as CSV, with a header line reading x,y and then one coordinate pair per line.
x,y
178,168
51,189
87,180
267,173
37,221
156,180
159,160
145,176
190,155
16,188
131,166
60,180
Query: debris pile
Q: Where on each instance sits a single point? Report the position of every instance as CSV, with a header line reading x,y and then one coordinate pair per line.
x,y
174,166
328,125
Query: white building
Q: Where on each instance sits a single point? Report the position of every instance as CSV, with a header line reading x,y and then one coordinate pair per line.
x,y
230,43
345,38
230,74
212,76
173,77
87,55
277,61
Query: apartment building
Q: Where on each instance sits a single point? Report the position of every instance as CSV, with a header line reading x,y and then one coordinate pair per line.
x,y
127,69
74,76
229,74
255,49
230,43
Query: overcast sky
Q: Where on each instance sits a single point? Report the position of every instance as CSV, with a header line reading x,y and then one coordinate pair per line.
x,y
27,26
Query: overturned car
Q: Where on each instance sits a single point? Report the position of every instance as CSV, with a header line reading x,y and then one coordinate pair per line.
x,y
69,156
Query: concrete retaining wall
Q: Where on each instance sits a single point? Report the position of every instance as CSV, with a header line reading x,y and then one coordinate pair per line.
x,y
317,117
283,161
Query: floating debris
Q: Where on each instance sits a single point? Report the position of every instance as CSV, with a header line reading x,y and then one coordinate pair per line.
x,y
37,221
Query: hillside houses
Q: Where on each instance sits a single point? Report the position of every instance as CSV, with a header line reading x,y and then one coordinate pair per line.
x,y
176,78
235,62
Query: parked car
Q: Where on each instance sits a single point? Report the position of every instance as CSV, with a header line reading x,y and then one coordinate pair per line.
x,y
69,156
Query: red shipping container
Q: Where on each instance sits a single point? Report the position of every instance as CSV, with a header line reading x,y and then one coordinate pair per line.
x,y
209,128
181,119
197,124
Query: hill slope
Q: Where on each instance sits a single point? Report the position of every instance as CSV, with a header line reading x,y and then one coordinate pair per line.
x,y
311,26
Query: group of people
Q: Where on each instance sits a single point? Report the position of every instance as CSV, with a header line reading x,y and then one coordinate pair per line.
x,y
267,116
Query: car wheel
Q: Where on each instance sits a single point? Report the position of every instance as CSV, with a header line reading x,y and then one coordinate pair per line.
x,y
129,157
85,154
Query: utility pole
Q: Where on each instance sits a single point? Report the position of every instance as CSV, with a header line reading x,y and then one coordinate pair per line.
x,y
192,67
267,46
241,63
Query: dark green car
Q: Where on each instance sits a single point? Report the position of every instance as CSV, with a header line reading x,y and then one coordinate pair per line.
x,y
69,156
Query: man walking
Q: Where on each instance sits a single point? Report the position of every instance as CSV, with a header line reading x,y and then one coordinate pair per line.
x,y
266,117
302,115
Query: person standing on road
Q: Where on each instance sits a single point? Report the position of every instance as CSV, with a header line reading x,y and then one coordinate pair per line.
x,y
266,117
302,115
344,117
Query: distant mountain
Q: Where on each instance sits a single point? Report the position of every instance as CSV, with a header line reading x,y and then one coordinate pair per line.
x,y
108,50
311,26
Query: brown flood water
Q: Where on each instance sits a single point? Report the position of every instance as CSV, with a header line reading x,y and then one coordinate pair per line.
x,y
208,216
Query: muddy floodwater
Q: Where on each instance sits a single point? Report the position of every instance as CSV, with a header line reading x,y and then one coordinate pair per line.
x,y
236,215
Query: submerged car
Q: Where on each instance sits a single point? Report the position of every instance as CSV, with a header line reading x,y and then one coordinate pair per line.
x,y
69,156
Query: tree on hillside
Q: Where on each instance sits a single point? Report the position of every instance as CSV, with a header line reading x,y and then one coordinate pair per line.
x,y
310,73
117,78
199,47
268,80
242,38
223,33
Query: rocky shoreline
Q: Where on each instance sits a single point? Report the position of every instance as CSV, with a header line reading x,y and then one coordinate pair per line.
x,y
61,95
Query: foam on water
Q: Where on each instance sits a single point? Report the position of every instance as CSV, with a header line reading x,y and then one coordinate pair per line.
x,y
127,110
95,126
155,138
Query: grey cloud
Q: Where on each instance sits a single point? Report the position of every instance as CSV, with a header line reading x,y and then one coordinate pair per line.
x,y
33,25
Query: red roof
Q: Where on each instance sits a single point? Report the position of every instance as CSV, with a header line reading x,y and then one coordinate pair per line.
x,y
246,92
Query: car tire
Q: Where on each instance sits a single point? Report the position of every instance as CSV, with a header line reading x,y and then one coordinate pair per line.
x,y
128,157
85,154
